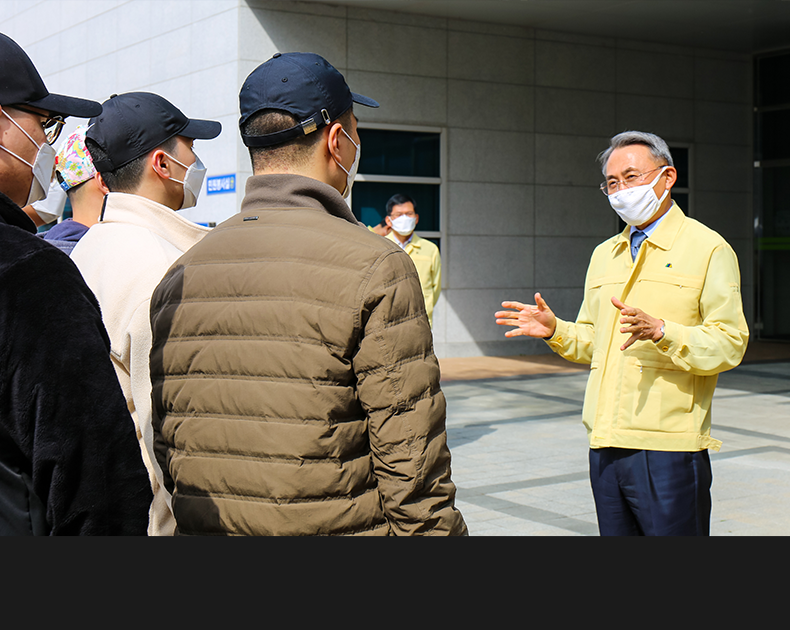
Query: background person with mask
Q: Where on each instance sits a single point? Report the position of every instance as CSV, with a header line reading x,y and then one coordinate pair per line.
x,y
661,318
402,219
78,180
69,461
151,173
295,387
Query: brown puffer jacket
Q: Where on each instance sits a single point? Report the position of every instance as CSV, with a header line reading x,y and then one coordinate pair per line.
x,y
295,387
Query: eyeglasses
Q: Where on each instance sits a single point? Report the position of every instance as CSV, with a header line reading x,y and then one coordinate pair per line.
x,y
52,126
634,179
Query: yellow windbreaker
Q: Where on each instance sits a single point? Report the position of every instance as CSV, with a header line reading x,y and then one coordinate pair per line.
x,y
429,267
657,396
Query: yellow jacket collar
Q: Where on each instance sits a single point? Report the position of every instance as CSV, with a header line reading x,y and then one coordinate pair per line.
x,y
665,233
414,242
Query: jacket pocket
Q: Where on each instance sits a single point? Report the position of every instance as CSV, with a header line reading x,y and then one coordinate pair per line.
x,y
669,296
663,397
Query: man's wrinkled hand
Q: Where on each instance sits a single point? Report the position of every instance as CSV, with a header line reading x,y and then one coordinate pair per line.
x,y
531,320
640,325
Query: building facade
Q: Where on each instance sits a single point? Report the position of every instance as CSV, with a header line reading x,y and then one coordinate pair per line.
x,y
496,128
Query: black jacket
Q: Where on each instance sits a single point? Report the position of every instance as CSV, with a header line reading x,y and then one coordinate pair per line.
x,y
69,458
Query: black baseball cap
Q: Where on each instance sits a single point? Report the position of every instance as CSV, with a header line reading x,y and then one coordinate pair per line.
x,y
132,124
21,84
305,85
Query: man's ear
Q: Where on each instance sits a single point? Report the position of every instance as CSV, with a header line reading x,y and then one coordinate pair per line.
x,y
672,176
159,161
333,140
100,183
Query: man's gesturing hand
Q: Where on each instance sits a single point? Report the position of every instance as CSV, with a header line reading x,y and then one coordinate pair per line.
x,y
530,320
640,324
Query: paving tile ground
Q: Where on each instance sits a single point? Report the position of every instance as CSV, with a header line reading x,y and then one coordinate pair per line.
x,y
520,451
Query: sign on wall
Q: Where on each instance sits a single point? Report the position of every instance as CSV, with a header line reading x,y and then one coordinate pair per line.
x,y
221,184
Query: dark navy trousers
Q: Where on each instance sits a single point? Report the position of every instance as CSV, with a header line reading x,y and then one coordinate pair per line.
x,y
651,493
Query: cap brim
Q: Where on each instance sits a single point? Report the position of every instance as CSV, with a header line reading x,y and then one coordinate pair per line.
x,y
363,100
201,129
68,106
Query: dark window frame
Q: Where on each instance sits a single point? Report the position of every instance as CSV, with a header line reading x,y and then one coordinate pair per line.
x,y
439,181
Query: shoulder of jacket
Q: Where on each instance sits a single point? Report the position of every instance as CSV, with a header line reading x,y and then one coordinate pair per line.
x,y
426,244
18,246
699,231
605,247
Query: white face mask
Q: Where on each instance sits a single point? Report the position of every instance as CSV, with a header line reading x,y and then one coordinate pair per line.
x,y
404,224
42,166
350,175
637,205
193,181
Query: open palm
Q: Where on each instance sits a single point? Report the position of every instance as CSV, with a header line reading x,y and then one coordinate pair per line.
x,y
531,320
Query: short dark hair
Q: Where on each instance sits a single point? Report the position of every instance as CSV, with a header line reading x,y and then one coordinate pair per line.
x,y
127,177
398,199
296,152
74,190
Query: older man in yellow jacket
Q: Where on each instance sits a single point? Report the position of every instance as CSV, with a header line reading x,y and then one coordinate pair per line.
x,y
661,318
402,219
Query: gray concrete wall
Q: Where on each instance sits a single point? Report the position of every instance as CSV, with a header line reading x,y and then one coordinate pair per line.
x,y
524,112
187,51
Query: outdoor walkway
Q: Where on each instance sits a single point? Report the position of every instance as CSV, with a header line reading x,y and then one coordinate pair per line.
x,y
520,450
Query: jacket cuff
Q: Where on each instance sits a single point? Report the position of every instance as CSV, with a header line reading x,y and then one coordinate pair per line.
x,y
669,343
557,340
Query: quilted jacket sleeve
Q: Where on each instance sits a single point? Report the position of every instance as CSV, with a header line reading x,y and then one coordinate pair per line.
x,y
398,386
62,405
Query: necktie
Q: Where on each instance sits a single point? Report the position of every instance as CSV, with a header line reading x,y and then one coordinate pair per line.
x,y
636,240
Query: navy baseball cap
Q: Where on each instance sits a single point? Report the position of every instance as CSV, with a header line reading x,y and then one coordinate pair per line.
x,y
305,85
21,84
132,124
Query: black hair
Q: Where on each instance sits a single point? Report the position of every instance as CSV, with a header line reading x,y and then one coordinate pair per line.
x,y
398,199
296,152
127,177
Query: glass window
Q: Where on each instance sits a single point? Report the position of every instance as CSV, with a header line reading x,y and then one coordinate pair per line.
x,y
405,161
773,131
772,86
404,153
369,203
680,156
772,188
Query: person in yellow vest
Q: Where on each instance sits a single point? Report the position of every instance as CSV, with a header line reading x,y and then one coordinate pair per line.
x,y
402,218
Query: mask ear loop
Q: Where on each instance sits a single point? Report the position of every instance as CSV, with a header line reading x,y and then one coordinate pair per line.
x,y
666,192
29,137
172,179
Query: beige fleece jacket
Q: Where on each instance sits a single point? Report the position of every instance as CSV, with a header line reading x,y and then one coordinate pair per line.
x,y
123,258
